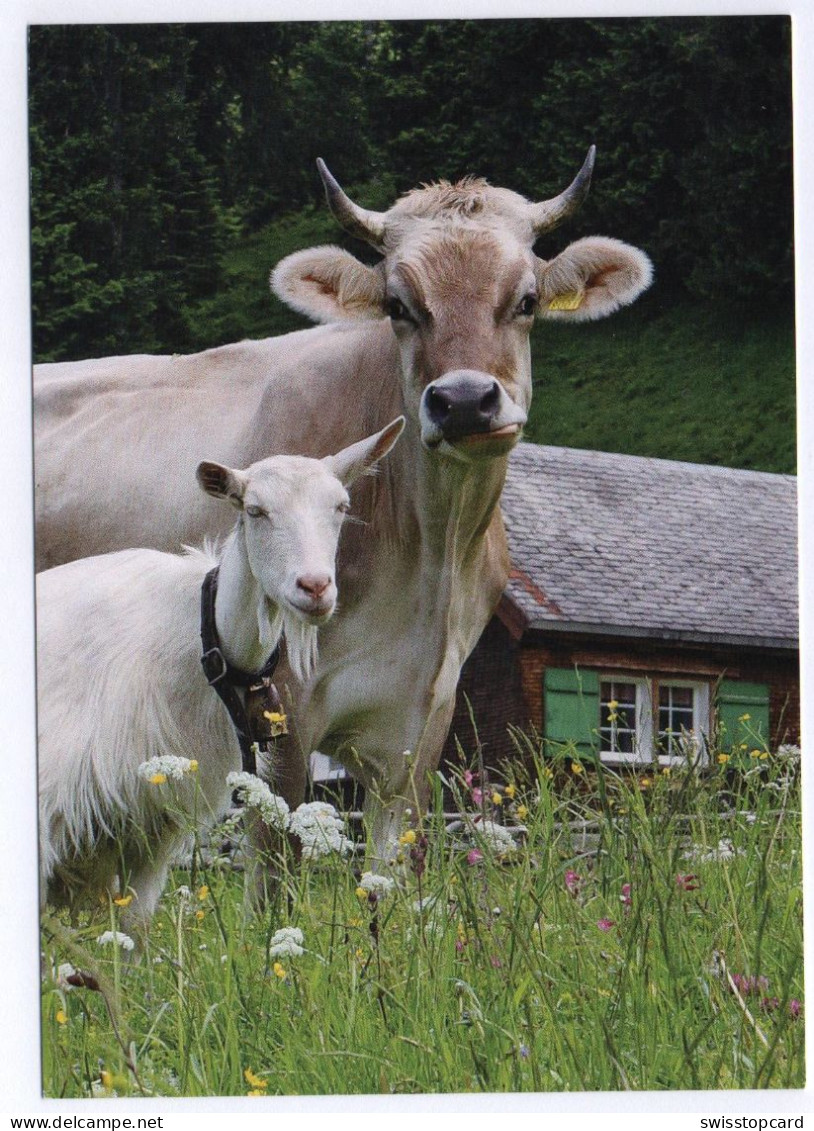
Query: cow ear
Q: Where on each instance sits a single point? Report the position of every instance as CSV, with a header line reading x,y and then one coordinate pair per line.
x,y
329,285
354,461
592,278
222,482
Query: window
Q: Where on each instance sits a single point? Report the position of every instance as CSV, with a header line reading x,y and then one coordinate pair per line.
x,y
632,729
625,732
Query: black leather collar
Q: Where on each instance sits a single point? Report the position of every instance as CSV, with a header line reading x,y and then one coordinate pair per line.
x,y
225,678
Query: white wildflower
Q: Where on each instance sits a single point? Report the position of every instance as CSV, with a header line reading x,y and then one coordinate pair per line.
x,y
64,972
167,766
725,851
425,904
379,885
257,795
497,838
286,943
320,829
117,937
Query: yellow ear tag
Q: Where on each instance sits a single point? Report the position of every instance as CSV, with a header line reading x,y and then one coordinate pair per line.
x,y
571,300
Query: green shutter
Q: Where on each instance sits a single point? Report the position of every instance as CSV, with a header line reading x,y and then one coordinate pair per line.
x,y
738,734
571,708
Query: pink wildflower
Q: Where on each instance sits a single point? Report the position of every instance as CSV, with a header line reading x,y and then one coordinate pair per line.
x,y
573,881
605,924
477,796
625,896
769,1004
687,883
794,1007
469,777
474,856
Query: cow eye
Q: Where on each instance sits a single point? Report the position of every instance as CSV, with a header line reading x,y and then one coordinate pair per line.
x,y
395,309
527,305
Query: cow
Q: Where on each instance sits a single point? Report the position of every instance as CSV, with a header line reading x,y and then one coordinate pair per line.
x,y
438,331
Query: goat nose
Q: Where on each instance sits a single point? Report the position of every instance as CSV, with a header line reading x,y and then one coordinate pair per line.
x,y
314,584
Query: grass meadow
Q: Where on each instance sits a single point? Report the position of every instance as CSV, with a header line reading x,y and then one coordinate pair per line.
x,y
576,929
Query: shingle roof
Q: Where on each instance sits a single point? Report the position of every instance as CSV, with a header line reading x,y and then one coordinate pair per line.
x,y
624,545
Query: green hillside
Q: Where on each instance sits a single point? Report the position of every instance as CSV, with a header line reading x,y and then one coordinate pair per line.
x,y
675,380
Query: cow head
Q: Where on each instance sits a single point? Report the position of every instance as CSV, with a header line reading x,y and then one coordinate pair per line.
x,y
461,286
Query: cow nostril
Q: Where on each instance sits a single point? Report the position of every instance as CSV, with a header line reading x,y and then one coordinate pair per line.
x,y
438,405
490,402
313,584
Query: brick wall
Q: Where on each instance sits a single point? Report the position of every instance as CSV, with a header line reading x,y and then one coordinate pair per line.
x,y
503,681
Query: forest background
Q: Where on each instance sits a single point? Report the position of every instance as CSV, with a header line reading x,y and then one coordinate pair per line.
x,y
173,165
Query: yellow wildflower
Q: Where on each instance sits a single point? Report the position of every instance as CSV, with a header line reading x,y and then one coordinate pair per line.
x,y
522,812
645,783
577,768
548,773
107,1079
361,893
666,771
200,915
407,837
496,798
510,790
256,1082
744,718
124,901
255,1092
744,746
279,969
723,759
192,768
203,891
62,1017
764,754
158,779
754,754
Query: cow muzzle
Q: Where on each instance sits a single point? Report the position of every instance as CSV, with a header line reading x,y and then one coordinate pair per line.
x,y
469,411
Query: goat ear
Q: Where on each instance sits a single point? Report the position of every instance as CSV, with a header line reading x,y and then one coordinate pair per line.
x,y
329,285
591,279
222,482
354,461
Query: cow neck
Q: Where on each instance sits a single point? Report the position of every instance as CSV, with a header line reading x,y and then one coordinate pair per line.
x,y
453,502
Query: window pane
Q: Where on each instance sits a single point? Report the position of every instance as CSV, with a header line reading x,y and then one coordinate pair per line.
x,y
682,696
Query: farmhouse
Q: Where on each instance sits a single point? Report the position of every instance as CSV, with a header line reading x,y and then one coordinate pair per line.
x,y
652,606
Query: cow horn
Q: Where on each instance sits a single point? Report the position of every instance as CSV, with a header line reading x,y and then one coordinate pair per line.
x,y
355,220
549,214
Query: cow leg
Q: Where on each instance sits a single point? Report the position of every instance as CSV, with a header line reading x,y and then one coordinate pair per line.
x,y
384,819
286,775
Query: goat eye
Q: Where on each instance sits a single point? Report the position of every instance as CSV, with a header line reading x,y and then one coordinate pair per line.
x,y
394,308
255,512
343,508
527,306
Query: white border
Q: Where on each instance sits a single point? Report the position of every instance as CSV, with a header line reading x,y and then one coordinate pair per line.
x,y
19,973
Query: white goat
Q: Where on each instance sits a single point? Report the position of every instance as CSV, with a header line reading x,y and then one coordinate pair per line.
x,y
120,679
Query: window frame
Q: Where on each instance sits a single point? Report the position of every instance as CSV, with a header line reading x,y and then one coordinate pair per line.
x,y
697,747
646,752
643,732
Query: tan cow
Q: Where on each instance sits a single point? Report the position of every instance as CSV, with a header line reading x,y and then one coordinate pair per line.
x,y
438,331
